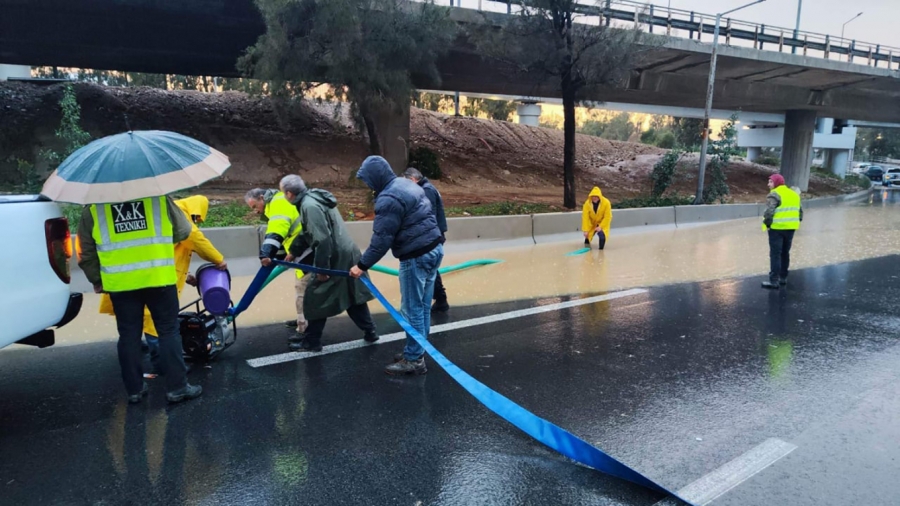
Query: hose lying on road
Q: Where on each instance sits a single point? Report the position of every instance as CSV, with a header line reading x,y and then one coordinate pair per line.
x,y
442,270
543,431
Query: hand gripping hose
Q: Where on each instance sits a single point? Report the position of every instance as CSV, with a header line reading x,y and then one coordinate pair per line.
x,y
543,431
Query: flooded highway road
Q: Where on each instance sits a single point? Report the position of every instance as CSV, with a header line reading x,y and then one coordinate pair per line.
x,y
677,382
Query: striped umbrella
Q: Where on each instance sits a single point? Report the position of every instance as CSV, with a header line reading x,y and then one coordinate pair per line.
x,y
134,165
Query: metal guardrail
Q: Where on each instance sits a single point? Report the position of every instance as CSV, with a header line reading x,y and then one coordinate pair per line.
x,y
695,25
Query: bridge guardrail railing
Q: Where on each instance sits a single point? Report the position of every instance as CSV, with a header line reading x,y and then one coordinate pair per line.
x,y
695,25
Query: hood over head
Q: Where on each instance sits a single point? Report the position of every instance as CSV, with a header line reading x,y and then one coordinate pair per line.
x,y
595,193
376,172
198,205
777,180
324,197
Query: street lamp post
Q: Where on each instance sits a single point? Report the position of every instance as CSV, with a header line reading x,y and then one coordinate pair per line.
x,y
710,89
845,26
797,26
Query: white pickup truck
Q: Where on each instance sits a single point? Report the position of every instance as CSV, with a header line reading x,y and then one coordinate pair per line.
x,y
35,249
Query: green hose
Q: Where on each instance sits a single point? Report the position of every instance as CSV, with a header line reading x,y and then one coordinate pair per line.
x,y
442,270
275,273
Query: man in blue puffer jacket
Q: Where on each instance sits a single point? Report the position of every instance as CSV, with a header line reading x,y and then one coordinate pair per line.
x,y
404,224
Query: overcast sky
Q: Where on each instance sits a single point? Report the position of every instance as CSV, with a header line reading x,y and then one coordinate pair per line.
x,y
877,25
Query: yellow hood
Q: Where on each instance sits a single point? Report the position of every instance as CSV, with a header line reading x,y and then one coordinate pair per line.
x,y
197,205
595,193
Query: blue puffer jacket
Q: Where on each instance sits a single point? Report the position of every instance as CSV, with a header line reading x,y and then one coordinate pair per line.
x,y
404,222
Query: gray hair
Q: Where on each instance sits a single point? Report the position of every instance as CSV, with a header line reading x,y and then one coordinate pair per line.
x,y
254,194
412,173
292,183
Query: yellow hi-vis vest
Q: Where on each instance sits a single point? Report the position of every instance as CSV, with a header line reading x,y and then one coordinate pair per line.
x,y
134,244
284,220
787,215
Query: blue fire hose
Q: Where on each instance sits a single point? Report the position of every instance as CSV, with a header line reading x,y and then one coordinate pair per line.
x,y
543,431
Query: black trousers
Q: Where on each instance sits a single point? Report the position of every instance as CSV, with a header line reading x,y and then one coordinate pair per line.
x,y
440,293
163,305
601,239
359,314
780,242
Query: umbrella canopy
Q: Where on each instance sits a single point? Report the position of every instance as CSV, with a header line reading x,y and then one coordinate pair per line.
x,y
134,165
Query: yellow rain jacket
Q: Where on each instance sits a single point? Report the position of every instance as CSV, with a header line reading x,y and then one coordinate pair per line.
x,y
591,219
197,205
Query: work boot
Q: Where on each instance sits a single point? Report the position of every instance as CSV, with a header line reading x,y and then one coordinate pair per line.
x,y
587,243
371,337
136,398
783,281
185,393
305,345
291,324
771,284
440,306
404,366
298,337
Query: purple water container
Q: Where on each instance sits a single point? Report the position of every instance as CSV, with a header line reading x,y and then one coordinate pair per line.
x,y
215,288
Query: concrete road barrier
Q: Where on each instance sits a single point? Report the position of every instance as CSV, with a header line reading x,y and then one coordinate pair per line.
x,y
507,229
643,217
702,214
234,242
510,231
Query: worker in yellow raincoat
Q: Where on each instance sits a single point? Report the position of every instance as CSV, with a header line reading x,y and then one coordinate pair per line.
x,y
596,217
195,208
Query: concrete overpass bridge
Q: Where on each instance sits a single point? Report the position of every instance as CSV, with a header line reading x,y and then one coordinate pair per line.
x,y
756,73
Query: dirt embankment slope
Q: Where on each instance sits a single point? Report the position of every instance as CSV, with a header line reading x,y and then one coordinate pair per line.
x,y
483,161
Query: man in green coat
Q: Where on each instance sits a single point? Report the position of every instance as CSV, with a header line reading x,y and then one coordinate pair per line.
x,y
325,243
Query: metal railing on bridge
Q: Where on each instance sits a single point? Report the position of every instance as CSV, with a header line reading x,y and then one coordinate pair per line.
x,y
694,25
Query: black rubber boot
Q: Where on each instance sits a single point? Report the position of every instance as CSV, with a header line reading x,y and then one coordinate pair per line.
x,y
305,346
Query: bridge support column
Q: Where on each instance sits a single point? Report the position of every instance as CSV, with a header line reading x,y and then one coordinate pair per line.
x,y
796,150
393,133
529,114
837,160
753,154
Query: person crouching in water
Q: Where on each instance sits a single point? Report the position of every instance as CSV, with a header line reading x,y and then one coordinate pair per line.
x,y
596,217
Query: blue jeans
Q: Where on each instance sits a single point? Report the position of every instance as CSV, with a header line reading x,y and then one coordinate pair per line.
x,y
416,291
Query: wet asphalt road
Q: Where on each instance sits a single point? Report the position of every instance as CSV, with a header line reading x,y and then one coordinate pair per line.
x,y
675,382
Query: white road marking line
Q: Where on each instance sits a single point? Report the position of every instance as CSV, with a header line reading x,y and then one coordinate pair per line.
x,y
709,487
351,345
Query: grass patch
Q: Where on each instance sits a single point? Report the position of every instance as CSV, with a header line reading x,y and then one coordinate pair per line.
x,y
647,201
858,180
500,209
824,173
230,214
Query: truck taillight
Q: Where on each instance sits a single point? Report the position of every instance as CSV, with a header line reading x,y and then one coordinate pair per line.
x,y
59,247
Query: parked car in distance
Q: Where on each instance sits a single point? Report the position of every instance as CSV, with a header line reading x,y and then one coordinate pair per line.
x,y
859,168
891,177
875,173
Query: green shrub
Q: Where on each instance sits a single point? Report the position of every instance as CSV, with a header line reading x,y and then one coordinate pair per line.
x,y
426,161
229,214
663,174
666,140
858,180
647,201
500,209
771,161
823,172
